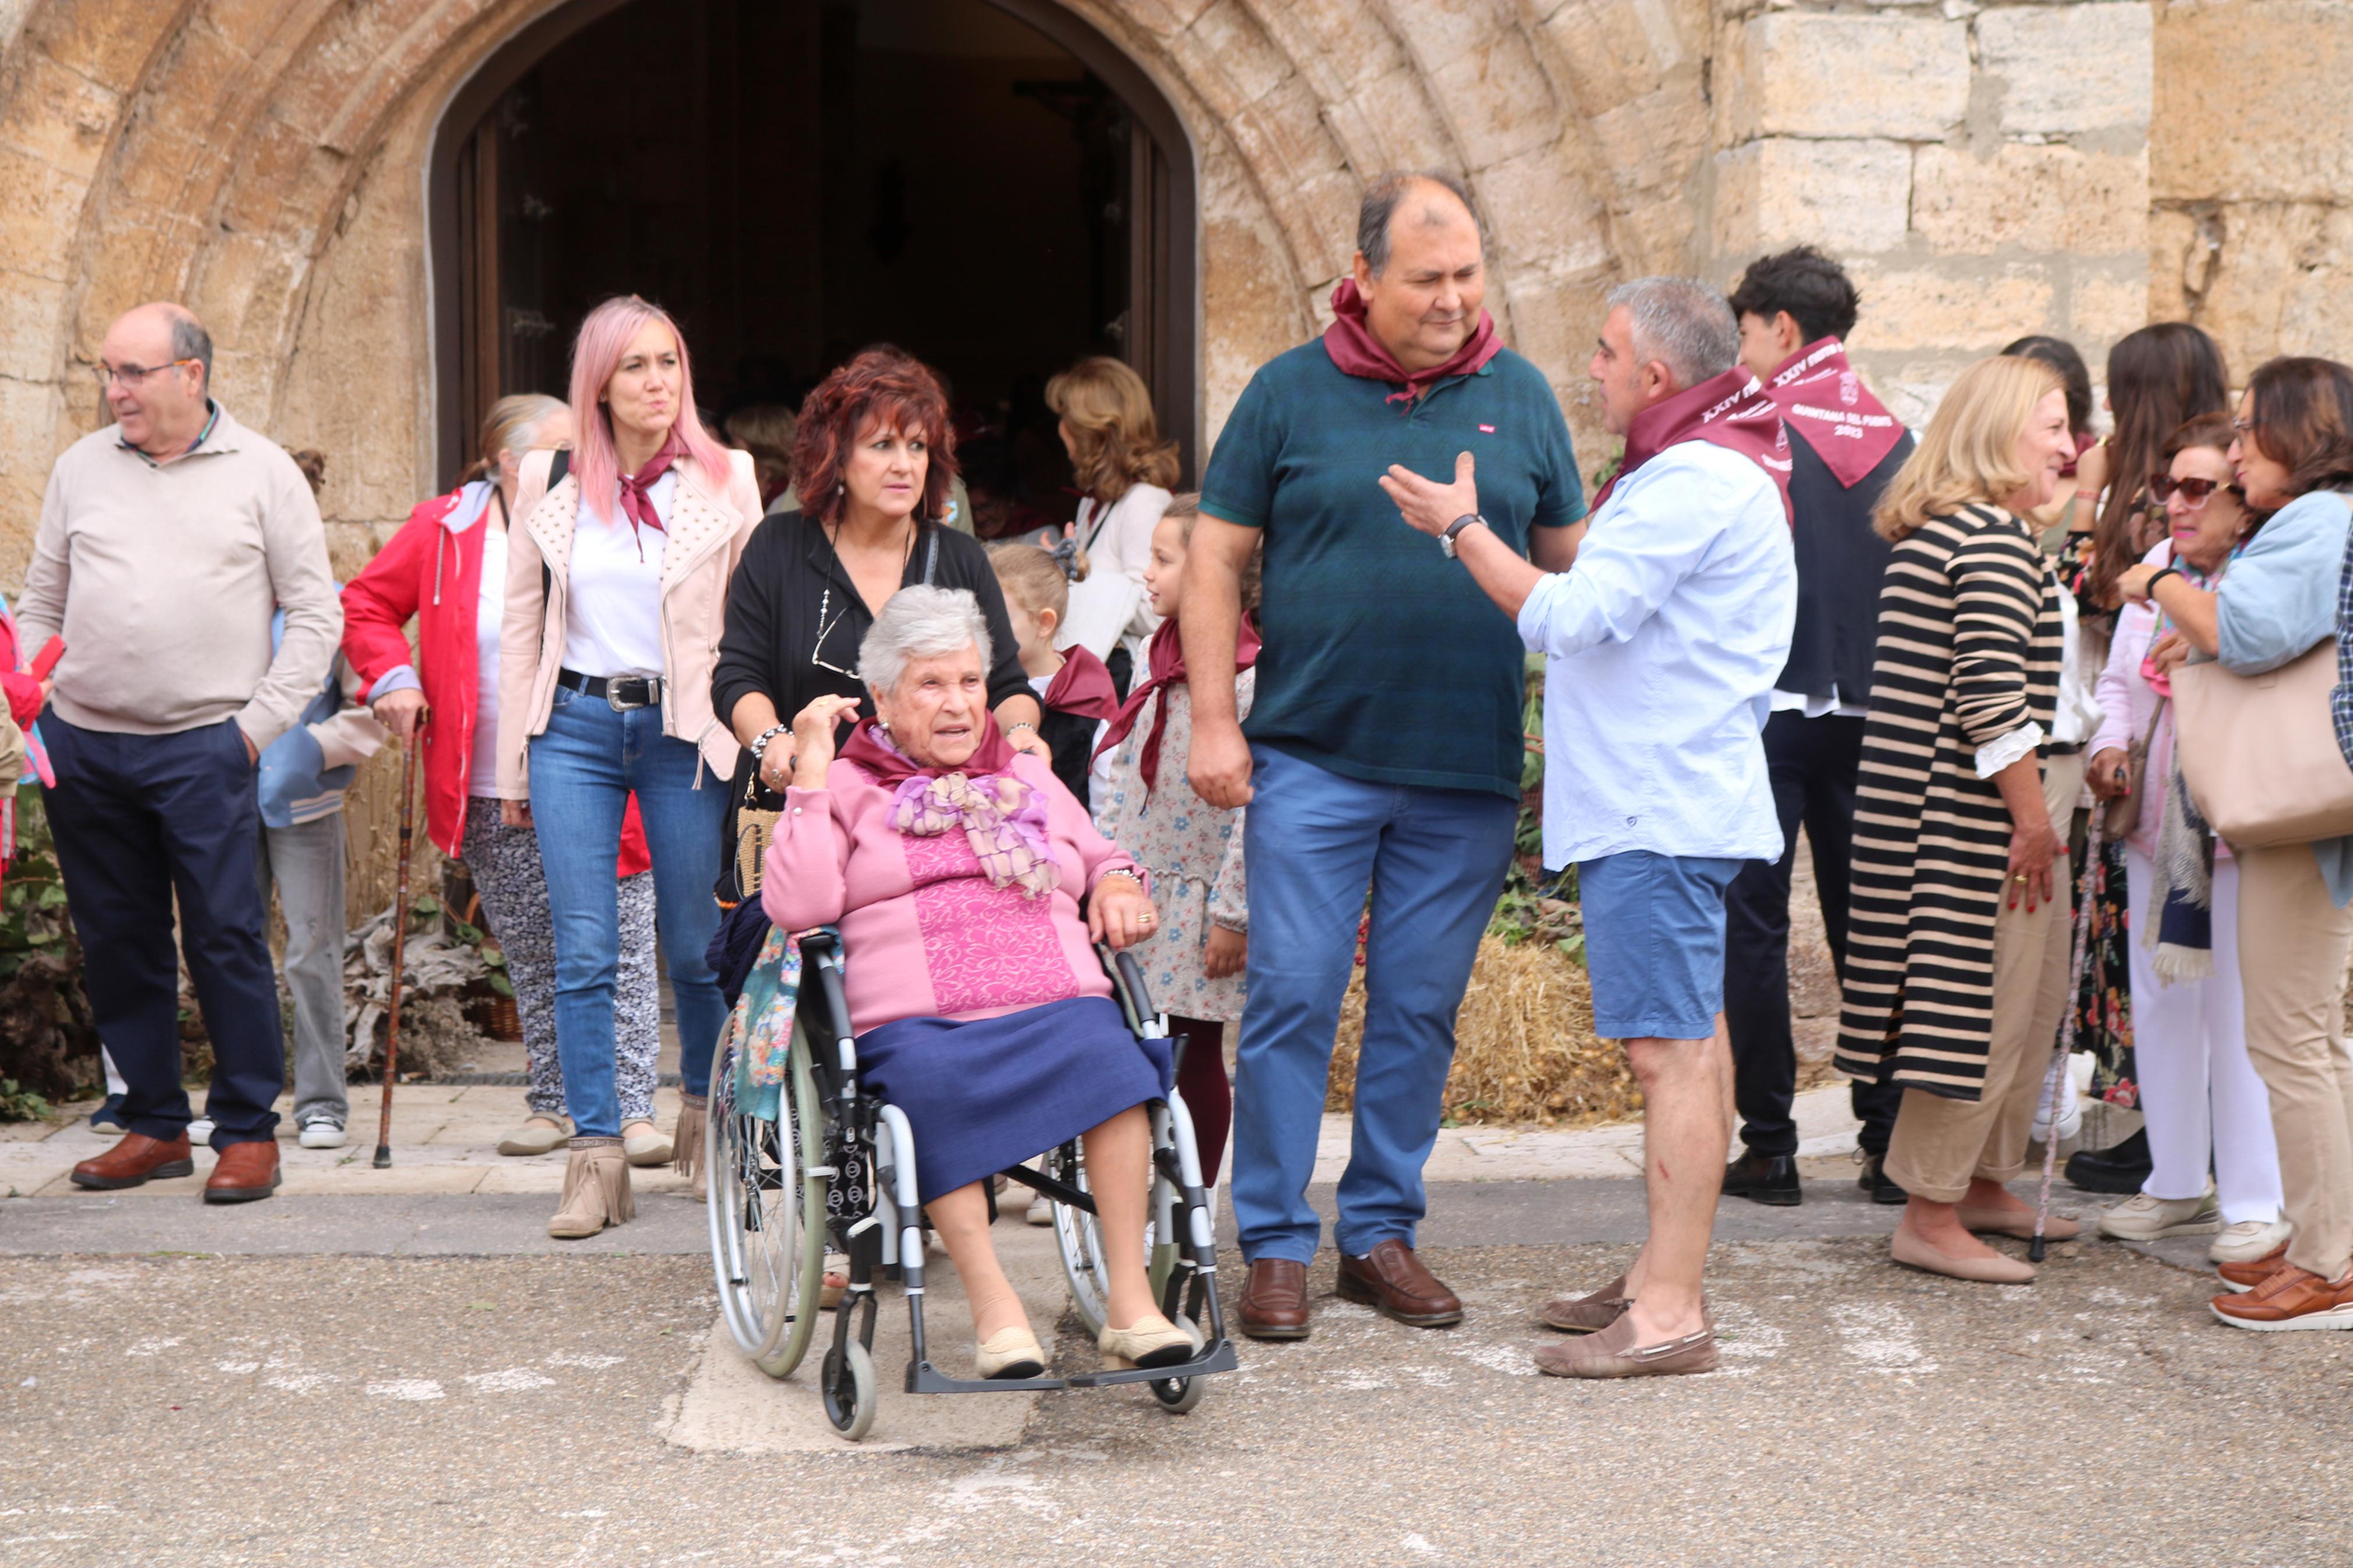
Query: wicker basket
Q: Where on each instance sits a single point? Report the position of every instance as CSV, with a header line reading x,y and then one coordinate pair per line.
x,y
506,1024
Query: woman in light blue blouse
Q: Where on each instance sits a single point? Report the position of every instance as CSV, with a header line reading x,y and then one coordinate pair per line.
x,y
2293,458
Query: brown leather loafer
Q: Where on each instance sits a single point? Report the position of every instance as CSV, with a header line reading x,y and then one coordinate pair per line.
x,y
137,1159
1274,1301
1586,1314
1391,1280
2247,1275
1612,1353
244,1172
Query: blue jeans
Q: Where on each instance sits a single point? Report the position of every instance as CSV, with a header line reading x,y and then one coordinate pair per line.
x,y
1435,860
582,769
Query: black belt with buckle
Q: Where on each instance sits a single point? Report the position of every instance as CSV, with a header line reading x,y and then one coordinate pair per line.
x,y
623,691
2063,749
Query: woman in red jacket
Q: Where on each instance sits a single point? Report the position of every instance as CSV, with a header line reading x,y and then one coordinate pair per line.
x,y
446,566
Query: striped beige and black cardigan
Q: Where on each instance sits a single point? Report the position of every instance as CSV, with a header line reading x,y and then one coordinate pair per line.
x,y
1970,644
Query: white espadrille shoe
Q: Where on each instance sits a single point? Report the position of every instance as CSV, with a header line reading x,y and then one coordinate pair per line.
x,y
595,1190
539,1135
643,1145
1151,1341
1012,1353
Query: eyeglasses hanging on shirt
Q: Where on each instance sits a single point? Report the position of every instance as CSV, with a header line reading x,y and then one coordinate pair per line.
x,y
825,602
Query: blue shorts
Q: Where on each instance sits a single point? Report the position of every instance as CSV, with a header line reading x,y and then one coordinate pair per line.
x,y
1655,942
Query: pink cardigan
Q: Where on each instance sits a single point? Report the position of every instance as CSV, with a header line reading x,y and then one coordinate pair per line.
x,y
2127,703
924,933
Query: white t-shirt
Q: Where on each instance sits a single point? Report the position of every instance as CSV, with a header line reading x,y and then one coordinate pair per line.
x,y
612,601
489,610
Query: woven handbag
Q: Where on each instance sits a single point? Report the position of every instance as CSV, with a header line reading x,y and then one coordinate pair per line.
x,y
2258,751
756,828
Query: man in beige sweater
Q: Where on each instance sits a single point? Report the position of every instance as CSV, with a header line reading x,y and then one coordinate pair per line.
x,y
165,542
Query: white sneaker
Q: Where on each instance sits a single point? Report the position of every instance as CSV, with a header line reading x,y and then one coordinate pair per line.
x,y
2141,1218
324,1132
2250,1240
200,1130
1041,1210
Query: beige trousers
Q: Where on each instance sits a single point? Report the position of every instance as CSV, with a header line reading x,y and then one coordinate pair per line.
x,y
1940,1143
2291,950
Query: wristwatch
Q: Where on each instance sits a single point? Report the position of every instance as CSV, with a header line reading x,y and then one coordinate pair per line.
x,y
1446,540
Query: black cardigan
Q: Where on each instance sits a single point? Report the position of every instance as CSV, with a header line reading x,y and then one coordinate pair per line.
x,y
1839,562
772,616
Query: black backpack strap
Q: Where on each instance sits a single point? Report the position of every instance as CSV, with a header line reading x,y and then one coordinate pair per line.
x,y
931,556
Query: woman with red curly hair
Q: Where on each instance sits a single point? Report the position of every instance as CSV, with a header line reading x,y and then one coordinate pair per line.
x,y
872,464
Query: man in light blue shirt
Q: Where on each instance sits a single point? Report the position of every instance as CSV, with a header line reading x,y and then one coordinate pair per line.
x,y
1663,642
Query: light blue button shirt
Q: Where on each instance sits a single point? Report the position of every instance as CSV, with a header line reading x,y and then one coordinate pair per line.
x,y
1662,644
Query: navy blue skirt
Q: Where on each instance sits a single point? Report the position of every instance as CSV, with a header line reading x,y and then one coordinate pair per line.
x,y
990,1093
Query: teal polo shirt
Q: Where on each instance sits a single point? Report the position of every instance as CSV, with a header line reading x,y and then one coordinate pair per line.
x,y
1384,662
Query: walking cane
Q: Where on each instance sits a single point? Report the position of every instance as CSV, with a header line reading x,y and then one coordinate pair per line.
x,y
2091,836
399,943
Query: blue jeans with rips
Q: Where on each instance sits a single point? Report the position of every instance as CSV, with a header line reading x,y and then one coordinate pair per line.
x,y
1434,860
582,769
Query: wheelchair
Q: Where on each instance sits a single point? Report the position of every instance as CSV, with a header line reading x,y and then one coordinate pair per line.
x,y
835,1171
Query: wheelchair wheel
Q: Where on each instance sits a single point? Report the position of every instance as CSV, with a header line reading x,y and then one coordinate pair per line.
x,y
849,1395
1078,1237
1180,1395
767,1217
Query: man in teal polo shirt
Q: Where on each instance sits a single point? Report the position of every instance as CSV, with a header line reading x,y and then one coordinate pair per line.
x,y
1384,743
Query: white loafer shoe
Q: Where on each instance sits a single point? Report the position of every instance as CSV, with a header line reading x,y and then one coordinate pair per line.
x,y
2250,1241
1150,1340
1009,1354
540,1135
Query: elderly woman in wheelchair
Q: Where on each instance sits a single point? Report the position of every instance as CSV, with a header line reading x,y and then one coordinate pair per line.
x,y
954,868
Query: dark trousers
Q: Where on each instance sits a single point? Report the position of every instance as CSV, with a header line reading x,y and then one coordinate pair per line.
x,y
1814,763
139,818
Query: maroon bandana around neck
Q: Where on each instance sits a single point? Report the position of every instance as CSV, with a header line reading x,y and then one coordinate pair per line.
x,y
1822,399
1730,411
891,767
1082,686
1168,669
635,499
1357,351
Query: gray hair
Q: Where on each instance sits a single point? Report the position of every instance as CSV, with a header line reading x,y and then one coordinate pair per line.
x,y
1378,212
921,622
1685,324
190,341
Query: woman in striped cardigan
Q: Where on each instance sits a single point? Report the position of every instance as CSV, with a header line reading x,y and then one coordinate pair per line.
x,y
1957,946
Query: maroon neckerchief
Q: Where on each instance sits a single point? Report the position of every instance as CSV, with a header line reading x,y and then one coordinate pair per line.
x,y
1082,686
1357,352
636,502
1821,399
891,767
1730,411
1167,666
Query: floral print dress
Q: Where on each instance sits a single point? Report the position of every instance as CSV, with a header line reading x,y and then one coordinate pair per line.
x,y
1193,852
2104,1003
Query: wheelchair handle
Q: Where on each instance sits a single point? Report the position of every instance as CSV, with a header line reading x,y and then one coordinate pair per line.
x,y
1131,974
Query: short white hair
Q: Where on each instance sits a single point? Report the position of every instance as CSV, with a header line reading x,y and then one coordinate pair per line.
x,y
921,622
1687,325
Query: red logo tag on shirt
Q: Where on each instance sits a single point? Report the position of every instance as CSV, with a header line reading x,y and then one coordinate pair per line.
x,y
1486,429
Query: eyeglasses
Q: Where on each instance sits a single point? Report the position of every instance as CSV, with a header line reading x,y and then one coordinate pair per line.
x,y
2245,426
824,630
2197,492
131,375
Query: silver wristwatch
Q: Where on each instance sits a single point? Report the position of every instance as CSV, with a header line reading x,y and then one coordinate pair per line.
x,y
1446,540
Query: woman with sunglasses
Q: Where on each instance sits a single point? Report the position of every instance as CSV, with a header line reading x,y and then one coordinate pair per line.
x,y
2294,458
2198,1089
872,463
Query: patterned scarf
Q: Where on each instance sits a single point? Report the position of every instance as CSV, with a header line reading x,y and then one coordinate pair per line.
x,y
1730,411
2179,923
1818,394
1003,819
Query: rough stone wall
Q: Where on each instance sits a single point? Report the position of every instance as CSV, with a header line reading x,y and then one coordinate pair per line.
x,y
1984,172
2252,176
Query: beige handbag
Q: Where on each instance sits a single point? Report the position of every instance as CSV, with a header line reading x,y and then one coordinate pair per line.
x,y
756,828
2258,751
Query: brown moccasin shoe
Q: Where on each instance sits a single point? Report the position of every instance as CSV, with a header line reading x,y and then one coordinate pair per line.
x,y
136,1159
1586,1314
243,1172
1274,1301
1612,1353
2238,1275
1392,1281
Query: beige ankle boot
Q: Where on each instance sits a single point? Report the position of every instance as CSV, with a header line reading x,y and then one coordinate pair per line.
x,y
693,1112
595,1190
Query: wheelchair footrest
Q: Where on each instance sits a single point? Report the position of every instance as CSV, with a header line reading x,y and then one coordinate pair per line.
x,y
925,1378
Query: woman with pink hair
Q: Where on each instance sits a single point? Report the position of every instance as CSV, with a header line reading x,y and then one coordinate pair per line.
x,y
616,589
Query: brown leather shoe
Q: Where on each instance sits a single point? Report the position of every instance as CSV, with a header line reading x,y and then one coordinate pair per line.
x,y
1391,1280
244,1172
1274,1301
1612,1353
1586,1314
137,1159
2247,1275
2291,1297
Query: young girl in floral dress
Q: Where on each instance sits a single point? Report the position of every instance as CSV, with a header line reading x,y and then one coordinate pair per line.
x,y
1193,850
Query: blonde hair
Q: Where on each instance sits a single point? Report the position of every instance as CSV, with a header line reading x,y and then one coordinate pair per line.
x,y
1115,435
1969,451
1186,510
1031,577
511,421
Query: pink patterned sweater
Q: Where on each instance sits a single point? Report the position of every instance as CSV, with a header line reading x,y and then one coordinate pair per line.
x,y
926,936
